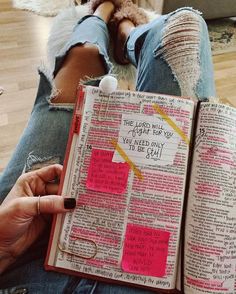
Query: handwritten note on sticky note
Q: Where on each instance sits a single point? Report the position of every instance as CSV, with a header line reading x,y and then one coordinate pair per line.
x,y
147,140
145,251
105,175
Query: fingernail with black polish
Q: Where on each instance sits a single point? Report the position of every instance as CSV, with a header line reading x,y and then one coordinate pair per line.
x,y
69,203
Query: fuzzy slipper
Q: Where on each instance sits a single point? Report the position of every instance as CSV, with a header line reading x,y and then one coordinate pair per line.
x,y
129,11
124,9
93,4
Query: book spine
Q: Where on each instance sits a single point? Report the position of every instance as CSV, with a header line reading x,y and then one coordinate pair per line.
x,y
74,129
187,187
78,111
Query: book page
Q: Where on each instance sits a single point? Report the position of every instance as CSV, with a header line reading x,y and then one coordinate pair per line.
x,y
127,173
210,235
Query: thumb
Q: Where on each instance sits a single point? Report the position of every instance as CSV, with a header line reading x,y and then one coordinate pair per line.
x,y
54,204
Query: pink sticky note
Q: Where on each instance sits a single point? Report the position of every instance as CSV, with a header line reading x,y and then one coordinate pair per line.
x,y
105,175
145,251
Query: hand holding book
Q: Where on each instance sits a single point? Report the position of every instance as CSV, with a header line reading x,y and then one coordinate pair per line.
x,y
128,168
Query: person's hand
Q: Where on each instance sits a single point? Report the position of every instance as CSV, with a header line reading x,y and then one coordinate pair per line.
x,y
20,221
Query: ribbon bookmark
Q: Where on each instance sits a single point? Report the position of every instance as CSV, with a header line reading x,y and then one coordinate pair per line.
x,y
171,123
122,153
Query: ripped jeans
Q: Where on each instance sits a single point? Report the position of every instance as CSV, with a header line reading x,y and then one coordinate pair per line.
x,y
172,55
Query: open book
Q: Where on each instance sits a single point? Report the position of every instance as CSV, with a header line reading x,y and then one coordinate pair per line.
x,y
154,178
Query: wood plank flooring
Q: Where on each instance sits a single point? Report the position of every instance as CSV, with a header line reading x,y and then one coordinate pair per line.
x,y
23,38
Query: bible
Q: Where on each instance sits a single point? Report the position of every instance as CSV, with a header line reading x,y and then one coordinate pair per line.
x,y
154,180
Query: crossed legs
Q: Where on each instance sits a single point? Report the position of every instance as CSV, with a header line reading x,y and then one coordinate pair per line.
x,y
161,68
172,55
81,61
166,56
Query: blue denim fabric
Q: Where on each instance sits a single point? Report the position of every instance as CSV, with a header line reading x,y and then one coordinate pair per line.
x,y
153,72
46,134
97,34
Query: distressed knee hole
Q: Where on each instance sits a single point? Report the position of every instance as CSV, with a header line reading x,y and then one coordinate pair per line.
x,y
180,48
87,48
82,63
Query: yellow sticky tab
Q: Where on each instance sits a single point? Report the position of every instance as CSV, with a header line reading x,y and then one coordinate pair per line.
x,y
171,123
122,153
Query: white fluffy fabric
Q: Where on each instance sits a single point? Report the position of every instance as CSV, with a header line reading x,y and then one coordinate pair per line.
x,y
43,7
61,30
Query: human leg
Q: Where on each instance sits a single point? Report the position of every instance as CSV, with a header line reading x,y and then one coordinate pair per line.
x,y
173,55
44,141
85,60
45,137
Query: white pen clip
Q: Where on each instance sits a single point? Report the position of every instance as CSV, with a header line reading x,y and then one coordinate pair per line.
x,y
107,85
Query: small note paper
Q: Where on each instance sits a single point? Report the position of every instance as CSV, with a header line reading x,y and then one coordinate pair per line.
x,y
147,140
105,175
145,251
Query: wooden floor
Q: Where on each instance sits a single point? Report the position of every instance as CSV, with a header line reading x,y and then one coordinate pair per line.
x,y
23,37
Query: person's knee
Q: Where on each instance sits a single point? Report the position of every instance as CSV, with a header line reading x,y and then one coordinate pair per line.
x,y
180,47
81,62
83,51
184,26
185,16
